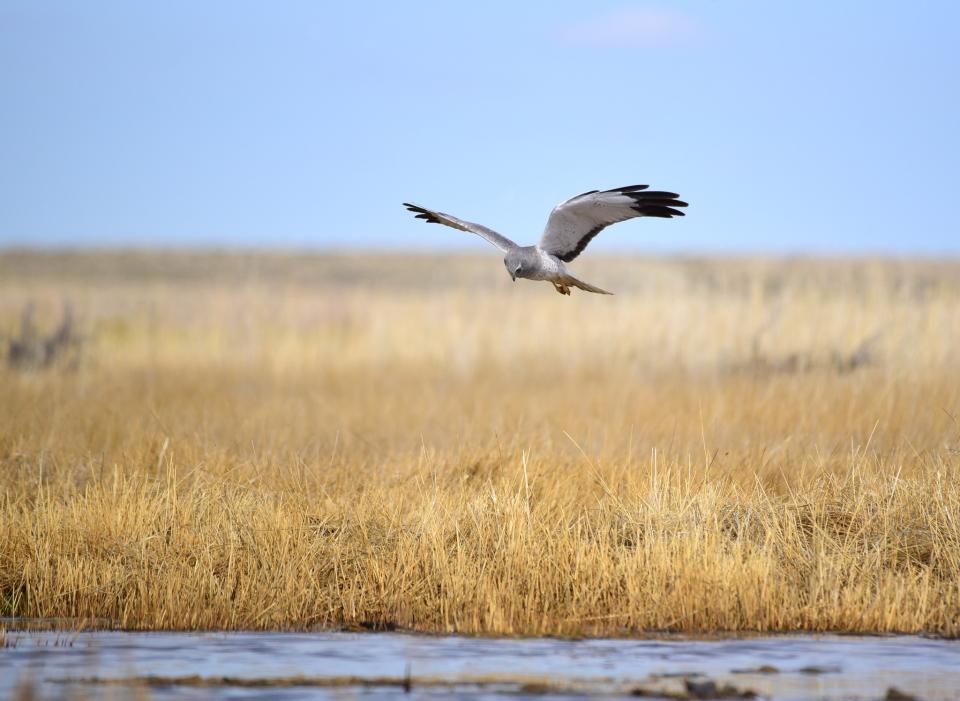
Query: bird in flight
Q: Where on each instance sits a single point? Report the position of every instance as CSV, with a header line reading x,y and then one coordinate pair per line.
x,y
571,226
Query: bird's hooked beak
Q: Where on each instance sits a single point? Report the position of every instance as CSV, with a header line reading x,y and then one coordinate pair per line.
x,y
514,276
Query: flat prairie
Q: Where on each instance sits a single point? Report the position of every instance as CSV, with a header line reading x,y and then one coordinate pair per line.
x,y
282,441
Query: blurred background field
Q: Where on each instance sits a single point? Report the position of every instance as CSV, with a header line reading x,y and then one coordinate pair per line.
x,y
265,440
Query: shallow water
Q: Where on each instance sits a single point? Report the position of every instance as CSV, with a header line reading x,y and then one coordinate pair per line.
x,y
475,668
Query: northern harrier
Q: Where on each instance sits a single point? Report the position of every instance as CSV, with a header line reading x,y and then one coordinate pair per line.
x,y
571,226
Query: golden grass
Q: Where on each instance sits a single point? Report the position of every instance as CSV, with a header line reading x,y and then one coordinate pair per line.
x,y
268,441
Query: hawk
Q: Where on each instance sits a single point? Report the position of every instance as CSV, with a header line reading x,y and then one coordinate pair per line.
x,y
570,227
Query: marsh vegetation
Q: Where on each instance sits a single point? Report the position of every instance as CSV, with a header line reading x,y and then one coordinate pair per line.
x,y
265,441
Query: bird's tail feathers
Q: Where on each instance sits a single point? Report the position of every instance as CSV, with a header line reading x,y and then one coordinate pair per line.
x,y
574,282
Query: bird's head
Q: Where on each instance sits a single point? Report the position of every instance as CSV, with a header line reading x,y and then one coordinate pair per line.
x,y
514,264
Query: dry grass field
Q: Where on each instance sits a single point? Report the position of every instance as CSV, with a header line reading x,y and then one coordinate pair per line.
x,y
265,441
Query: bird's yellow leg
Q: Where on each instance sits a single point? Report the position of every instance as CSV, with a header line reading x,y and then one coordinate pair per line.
x,y
561,288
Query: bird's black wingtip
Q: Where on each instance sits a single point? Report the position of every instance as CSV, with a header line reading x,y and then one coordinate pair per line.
x,y
629,188
421,213
658,210
657,203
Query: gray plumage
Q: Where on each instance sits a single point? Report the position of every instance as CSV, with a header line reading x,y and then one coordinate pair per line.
x,y
570,227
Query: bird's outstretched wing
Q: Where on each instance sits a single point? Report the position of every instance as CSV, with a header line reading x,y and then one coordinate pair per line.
x,y
501,242
572,224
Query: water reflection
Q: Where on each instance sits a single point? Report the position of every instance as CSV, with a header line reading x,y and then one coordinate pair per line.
x,y
338,665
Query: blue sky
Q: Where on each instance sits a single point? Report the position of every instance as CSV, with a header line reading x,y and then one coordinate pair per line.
x,y
788,126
